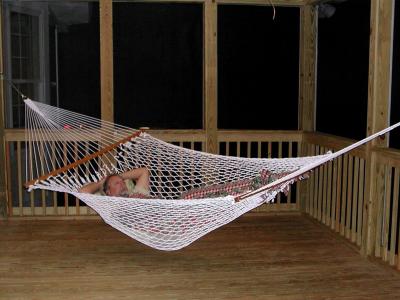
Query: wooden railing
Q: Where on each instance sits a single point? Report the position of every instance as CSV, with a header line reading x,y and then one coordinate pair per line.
x,y
337,193
40,203
265,144
334,194
387,242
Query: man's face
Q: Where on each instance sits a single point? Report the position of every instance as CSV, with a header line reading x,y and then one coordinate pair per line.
x,y
116,187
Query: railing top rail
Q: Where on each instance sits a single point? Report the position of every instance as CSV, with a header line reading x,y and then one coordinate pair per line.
x,y
14,135
259,135
333,142
388,156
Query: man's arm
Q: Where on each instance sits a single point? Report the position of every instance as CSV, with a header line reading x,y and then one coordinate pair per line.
x,y
141,176
92,187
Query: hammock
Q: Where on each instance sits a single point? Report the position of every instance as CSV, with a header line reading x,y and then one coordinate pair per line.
x,y
192,192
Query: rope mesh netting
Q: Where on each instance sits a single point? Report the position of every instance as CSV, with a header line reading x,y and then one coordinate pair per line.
x,y
67,150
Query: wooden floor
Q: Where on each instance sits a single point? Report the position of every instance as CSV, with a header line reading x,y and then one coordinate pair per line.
x,y
258,257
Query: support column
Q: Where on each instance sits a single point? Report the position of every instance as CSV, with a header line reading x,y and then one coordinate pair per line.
x,y
307,84
210,76
3,186
308,59
106,60
379,87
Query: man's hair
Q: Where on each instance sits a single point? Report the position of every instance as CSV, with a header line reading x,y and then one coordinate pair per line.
x,y
106,181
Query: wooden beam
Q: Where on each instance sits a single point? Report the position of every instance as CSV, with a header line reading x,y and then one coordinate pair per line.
x,y
308,58
288,3
379,85
106,60
307,83
3,184
210,76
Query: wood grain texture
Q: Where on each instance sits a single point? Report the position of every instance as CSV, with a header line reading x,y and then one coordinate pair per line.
x,y
260,257
297,3
3,180
379,87
106,60
308,58
307,79
210,76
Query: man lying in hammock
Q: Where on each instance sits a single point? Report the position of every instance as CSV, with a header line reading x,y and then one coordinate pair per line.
x,y
121,185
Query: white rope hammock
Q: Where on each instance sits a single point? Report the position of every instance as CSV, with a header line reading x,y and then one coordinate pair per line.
x,y
67,150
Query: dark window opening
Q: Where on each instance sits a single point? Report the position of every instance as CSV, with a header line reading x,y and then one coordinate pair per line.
x,y
258,67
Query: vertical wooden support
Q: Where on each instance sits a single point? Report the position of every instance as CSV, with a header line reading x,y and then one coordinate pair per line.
x,y
379,82
210,76
307,81
106,60
3,186
308,58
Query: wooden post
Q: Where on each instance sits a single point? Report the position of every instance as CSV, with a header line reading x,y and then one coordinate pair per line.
x,y
308,58
210,76
106,60
307,82
3,186
379,85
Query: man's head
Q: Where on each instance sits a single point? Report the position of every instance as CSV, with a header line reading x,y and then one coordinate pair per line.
x,y
114,185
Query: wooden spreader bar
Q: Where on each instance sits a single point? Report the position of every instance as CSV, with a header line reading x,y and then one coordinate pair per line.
x,y
84,160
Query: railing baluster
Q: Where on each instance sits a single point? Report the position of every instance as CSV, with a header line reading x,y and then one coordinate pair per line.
x,y
338,193
349,197
380,203
269,149
344,195
386,212
8,178
53,157
66,208
325,194
311,185
329,194
321,170
395,209
361,188
316,180
334,194
19,174
279,197
355,197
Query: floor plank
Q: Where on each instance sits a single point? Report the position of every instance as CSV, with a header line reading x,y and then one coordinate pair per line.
x,y
257,257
